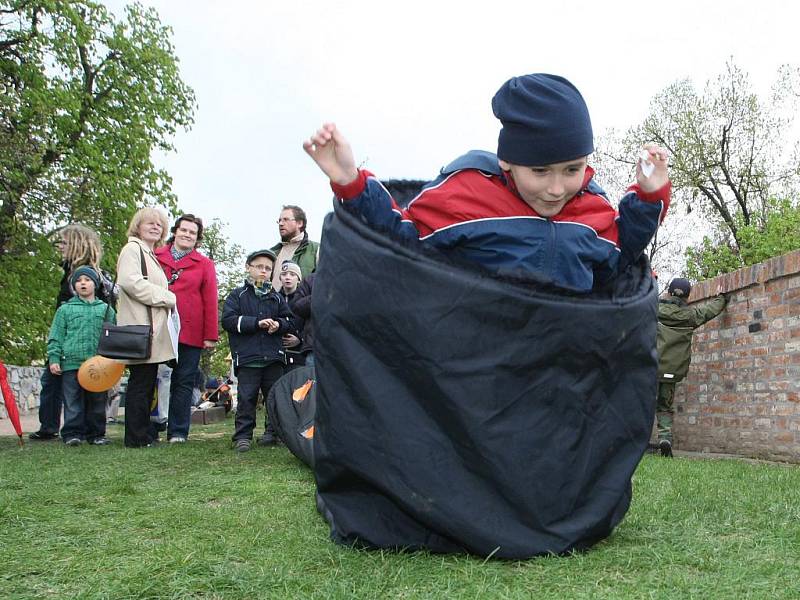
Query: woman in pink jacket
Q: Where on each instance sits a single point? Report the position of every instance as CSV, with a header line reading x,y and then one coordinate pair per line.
x,y
193,279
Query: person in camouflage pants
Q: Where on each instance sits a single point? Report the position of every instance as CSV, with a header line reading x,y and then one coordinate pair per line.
x,y
676,324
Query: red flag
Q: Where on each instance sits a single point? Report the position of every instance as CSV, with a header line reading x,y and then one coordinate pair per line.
x,y
11,403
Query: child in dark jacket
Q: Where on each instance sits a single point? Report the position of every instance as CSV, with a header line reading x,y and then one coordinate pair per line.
x,y
73,338
256,317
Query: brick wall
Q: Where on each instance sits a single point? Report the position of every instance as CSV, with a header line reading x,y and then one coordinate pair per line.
x,y
742,393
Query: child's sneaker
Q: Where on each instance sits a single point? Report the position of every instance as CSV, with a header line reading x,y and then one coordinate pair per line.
x,y
101,441
41,436
74,442
242,446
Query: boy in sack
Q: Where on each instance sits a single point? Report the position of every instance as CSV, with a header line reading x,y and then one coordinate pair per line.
x,y
73,338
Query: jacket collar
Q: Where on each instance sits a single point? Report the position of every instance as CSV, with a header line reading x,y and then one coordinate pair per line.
x,y
77,300
166,252
302,244
674,300
142,245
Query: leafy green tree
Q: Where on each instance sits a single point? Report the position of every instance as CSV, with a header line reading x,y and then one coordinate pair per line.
x,y
779,234
30,285
85,98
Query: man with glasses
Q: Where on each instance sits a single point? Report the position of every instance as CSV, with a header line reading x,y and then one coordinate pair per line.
x,y
294,245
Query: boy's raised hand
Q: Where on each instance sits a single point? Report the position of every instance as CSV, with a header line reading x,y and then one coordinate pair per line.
x,y
659,177
332,153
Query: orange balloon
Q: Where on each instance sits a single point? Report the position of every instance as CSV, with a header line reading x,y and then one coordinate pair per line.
x,y
99,374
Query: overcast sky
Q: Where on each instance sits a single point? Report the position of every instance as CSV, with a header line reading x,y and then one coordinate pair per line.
x,y
410,82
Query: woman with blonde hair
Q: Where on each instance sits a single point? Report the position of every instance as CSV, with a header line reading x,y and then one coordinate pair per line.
x,y
78,246
144,299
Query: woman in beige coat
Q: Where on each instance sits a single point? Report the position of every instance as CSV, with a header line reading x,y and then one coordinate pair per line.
x,y
138,291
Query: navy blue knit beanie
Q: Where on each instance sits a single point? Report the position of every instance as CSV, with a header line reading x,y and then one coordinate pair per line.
x,y
545,121
88,272
679,287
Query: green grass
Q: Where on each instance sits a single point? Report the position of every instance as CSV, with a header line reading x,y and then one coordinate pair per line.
x,y
199,521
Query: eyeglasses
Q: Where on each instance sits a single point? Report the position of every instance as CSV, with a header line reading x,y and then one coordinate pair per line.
x,y
261,267
283,219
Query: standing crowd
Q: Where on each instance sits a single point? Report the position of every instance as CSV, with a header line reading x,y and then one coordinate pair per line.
x,y
160,272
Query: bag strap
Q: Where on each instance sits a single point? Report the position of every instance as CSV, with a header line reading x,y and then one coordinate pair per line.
x,y
146,276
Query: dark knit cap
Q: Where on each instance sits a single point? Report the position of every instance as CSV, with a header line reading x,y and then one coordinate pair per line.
x,y
679,287
88,272
268,253
545,121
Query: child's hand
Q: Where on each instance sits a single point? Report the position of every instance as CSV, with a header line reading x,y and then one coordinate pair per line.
x,y
659,176
271,325
332,153
290,341
55,369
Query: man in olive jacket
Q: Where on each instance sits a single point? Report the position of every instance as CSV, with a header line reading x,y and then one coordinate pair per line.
x,y
294,245
676,324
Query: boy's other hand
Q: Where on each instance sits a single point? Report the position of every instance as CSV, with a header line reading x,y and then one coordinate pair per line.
x,y
660,176
332,153
290,341
55,369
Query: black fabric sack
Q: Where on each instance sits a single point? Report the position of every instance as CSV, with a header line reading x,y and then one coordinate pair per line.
x,y
127,342
291,404
461,412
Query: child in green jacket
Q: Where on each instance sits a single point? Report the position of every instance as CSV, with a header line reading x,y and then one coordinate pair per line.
x,y
73,338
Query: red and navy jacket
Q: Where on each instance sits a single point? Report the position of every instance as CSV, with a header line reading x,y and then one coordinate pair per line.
x,y
471,211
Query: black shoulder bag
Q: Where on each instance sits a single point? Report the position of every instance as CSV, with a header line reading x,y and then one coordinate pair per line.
x,y
127,342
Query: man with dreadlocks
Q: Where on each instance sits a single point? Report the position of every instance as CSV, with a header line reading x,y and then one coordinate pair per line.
x,y
79,246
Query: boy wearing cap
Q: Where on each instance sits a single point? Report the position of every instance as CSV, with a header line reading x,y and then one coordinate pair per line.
x,y
531,210
290,278
73,338
255,317
676,325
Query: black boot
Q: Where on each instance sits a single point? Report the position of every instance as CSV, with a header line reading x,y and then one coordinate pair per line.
x,y
666,448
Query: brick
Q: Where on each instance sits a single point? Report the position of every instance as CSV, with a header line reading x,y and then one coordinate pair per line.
x,y
778,310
